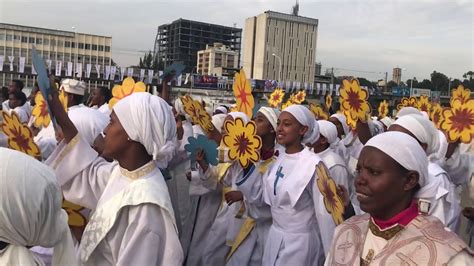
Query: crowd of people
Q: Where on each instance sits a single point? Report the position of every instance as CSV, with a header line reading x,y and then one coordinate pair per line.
x,y
146,202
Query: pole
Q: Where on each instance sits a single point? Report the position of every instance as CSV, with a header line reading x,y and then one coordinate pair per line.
x,y
279,66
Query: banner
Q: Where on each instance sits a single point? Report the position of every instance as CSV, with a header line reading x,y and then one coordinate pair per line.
x,y
2,58
122,72
48,63
160,73
69,69
97,68
88,70
130,72
142,74
79,70
21,68
11,58
107,72
318,88
150,76
337,89
33,70
58,68
113,69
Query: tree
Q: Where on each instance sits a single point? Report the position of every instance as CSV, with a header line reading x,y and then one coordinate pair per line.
x,y
415,83
440,81
150,61
425,84
455,83
469,74
392,84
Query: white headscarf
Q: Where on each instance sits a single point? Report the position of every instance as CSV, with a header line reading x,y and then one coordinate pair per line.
x,y
271,114
241,115
387,121
403,149
423,129
408,111
218,121
342,119
329,131
306,118
30,211
148,119
89,122
222,109
440,155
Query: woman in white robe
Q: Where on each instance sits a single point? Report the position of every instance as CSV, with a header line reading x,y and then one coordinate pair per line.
x,y
30,212
133,221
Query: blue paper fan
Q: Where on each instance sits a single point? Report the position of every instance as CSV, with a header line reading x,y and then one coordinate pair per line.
x,y
43,80
202,143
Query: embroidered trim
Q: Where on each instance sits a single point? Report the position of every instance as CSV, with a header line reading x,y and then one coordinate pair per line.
x,y
66,150
142,171
249,173
386,234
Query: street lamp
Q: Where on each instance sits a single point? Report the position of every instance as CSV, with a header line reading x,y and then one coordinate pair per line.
x,y
279,66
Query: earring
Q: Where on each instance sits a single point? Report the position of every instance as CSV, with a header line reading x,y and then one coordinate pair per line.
x,y
128,139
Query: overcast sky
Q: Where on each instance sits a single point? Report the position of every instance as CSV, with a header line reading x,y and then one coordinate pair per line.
x,y
368,36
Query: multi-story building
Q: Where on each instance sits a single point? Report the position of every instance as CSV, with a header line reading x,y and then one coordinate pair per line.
x,y
51,44
280,47
182,39
397,75
216,59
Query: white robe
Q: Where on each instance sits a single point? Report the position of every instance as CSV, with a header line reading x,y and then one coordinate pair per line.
x,y
131,225
105,109
337,169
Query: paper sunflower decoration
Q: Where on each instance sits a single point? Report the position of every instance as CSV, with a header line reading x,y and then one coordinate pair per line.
x,y
202,143
328,101
19,135
318,112
353,101
286,104
198,114
126,89
75,218
423,104
383,109
243,93
458,121
461,93
298,97
276,98
40,110
407,102
435,115
242,140
328,188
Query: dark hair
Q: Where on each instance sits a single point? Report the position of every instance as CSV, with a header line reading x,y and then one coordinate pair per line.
x,y
18,83
77,98
19,95
105,92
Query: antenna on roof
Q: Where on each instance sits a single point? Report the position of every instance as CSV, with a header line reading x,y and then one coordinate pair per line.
x,y
296,9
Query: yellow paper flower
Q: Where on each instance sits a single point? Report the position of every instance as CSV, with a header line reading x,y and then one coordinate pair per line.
x,y
407,102
353,100
383,109
318,112
75,218
435,115
328,188
197,113
298,97
276,98
423,104
40,111
243,93
242,141
19,135
127,88
461,93
328,101
458,121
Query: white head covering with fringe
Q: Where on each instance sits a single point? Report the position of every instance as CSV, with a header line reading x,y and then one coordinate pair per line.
x,y
271,114
423,129
306,118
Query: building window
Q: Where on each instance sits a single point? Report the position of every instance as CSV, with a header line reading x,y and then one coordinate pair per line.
x,y
53,42
107,48
32,40
2,37
24,39
94,47
60,43
101,48
9,37
45,41
67,44
73,44
39,41
16,38
87,46
81,45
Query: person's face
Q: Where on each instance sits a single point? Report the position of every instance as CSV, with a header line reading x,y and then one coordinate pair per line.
x,y
98,146
320,145
12,87
13,102
381,184
289,130
116,139
97,97
337,123
263,125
